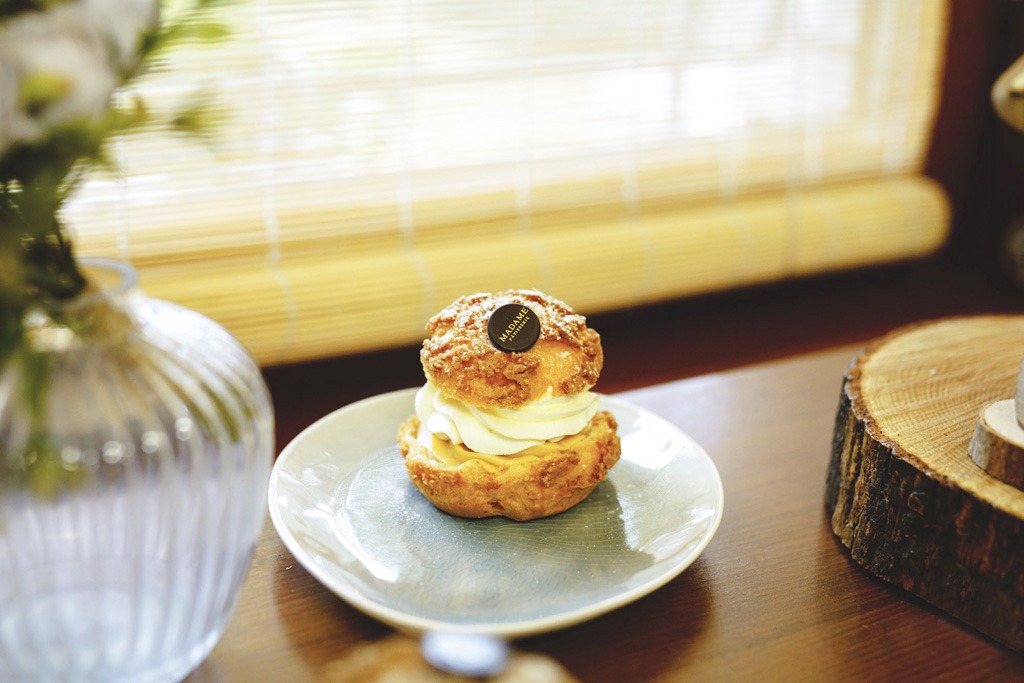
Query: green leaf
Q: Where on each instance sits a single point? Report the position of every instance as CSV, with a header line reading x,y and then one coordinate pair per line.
x,y
202,31
199,117
134,116
185,31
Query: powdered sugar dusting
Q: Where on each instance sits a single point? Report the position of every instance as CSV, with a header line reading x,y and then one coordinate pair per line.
x,y
460,359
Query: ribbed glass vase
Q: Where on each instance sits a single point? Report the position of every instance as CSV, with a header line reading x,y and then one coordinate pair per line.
x,y
136,439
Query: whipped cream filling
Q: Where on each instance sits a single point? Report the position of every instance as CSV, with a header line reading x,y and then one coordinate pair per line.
x,y
502,431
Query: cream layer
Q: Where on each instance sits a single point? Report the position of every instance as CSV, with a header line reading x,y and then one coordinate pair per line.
x,y
502,431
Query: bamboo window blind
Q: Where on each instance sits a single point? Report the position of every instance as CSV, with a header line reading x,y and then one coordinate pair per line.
x,y
381,158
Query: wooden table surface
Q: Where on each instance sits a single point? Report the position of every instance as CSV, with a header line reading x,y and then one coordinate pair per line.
x,y
773,597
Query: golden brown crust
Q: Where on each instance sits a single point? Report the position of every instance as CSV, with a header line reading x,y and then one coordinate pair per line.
x,y
529,488
459,359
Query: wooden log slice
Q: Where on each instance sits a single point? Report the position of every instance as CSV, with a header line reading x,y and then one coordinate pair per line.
x,y
905,497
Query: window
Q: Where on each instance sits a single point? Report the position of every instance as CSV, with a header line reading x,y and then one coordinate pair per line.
x,y
381,158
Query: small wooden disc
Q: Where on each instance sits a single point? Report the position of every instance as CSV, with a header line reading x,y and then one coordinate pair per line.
x,y
905,496
1019,395
998,443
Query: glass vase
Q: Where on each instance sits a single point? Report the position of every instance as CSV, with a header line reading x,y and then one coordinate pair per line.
x,y
136,439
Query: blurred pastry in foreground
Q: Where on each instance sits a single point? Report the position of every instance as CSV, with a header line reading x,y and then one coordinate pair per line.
x,y
506,423
397,659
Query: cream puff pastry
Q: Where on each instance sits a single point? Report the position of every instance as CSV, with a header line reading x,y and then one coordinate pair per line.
x,y
506,423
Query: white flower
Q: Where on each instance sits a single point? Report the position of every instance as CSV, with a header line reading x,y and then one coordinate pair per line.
x,y
63,65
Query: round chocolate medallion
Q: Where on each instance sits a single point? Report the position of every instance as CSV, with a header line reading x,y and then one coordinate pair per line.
x,y
513,328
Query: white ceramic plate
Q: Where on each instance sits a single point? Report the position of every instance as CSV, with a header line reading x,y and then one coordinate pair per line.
x,y
343,505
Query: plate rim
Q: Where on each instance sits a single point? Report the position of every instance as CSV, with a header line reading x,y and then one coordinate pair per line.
x,y
408,623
